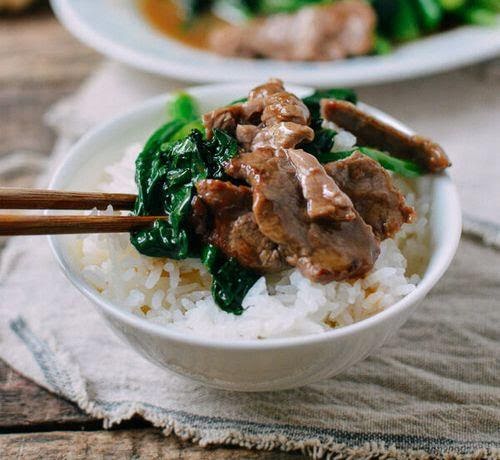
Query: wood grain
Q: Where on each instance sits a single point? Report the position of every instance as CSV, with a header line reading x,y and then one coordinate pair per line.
x,y
11,225
36,424
142,443
24,404
30,198
39,64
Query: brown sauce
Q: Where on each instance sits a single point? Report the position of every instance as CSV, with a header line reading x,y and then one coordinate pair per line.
x,y
167,17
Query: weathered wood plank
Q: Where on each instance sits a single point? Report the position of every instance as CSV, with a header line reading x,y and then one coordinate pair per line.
x,y
40,63
146,443
24,404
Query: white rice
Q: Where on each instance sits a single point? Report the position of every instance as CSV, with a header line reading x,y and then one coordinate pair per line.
x,y
177,295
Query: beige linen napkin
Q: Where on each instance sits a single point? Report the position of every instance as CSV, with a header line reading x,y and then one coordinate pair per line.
x,y
433,390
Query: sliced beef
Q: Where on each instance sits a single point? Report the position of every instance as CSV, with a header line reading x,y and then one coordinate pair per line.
x,y
270,117
255,104
324,199
281,135
233,228
245,134
316,33
199,219
224,118
251,248
324,250
285,106
375,133
259,93
373,193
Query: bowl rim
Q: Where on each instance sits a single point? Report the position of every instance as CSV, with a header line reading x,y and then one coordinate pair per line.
x,y
443,254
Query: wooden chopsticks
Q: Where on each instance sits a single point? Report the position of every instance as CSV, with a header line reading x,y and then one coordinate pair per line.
x,y
57,225
25,198
20,198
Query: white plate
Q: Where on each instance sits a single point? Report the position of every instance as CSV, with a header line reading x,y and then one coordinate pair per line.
x,y
117,29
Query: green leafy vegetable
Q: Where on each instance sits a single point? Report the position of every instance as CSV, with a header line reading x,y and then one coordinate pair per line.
x,y
382,45
144,165
167,185
187,129
430,13
183,107
174,159
451,5
230,281
478,15
323,142
193,8
323,137
171,178
166,171
312,102
285,6
239,101
404,168
405,25
218,151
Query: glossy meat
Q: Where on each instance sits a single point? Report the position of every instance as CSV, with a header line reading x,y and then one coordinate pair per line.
x,y
324,250
374,133
285,106
233,228
284,134
245,134
255,104
224,118
373,193
271,117
324,199
316,33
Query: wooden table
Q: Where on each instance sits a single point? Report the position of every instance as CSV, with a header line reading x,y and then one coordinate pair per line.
x,y
39,64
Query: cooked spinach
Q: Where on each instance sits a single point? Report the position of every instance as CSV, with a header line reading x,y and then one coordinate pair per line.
x,y
166,178
193,8
218,151
171,177
239,101
230,284
324,137
185,116
183,107
230,281
187,129
323,141
173,160
144,166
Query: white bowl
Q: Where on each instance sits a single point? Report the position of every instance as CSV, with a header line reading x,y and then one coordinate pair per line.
x,y
251,365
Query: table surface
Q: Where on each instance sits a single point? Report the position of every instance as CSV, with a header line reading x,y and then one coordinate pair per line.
x,y
39,64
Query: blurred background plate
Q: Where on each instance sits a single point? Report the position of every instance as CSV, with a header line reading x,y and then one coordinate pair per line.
x,y
117,29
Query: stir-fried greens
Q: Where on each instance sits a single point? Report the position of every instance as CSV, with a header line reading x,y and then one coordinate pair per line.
x,y
174,159
398,20
178,156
